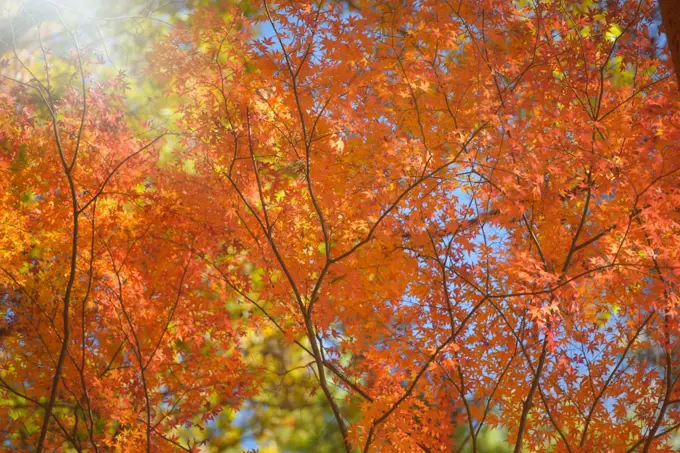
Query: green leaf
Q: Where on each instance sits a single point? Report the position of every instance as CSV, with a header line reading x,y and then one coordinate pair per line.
x,y
21,160
189,167
28,197
613,33
166,156
31,427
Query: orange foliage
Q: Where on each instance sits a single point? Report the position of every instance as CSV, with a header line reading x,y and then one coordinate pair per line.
x,y
465,212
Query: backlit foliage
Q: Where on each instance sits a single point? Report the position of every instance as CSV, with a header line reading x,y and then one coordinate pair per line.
x,y
462,214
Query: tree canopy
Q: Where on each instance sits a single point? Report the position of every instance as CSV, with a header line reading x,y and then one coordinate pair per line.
x,y
390,226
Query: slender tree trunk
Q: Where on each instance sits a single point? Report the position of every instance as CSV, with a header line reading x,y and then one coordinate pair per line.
x,y
670,15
